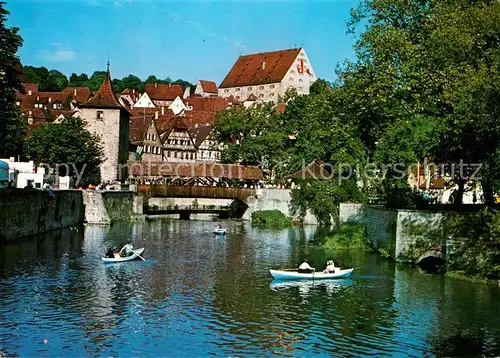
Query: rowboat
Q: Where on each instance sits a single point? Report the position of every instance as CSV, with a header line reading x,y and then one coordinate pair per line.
x,y
218,231
136,255
295,275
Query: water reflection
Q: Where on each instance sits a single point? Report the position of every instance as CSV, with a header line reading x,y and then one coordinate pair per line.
x,y
199,295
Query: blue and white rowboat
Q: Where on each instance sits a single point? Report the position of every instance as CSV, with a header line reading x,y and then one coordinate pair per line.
x,y
136,255
295,275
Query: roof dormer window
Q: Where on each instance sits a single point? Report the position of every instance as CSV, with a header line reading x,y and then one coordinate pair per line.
x,y
100,115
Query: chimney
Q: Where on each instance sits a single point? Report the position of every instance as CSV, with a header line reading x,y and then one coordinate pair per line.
x,y
75,92
264,65
156,114
162,110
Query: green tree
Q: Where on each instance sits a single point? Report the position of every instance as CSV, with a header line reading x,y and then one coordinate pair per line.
x,y
428,58
69,145
12,127
57,81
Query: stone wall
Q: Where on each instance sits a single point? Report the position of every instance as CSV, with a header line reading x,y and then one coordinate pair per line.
x,y
274,199
30,212
406,235
105,207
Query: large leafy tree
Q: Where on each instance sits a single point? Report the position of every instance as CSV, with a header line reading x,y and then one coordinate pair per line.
x,y
12,128
437,59
67,146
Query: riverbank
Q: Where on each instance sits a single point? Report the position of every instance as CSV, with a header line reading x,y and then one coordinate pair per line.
x,y
463,276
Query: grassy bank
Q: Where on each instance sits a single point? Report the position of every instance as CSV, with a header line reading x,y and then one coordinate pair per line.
x,y
348,236
274,218
463,276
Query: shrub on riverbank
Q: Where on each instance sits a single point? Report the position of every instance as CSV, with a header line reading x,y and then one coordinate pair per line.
x,y
478,252
348,236
273,218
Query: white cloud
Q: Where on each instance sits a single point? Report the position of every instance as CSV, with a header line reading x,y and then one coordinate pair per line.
x,y
57,54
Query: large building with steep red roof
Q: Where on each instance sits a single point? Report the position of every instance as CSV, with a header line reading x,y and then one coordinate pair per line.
x,y
106,117
268,75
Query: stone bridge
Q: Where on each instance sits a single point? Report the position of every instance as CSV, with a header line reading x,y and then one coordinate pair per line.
x,y
247,200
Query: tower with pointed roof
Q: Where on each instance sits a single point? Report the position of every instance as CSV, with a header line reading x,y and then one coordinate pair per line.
x,y
106,117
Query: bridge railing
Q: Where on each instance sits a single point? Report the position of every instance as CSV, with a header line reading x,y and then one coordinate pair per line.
x,y
178,191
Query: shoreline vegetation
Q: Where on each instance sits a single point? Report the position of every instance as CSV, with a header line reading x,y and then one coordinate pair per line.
x,y
271,218
349,236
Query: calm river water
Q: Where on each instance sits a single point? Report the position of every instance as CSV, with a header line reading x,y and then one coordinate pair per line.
x,y
199,295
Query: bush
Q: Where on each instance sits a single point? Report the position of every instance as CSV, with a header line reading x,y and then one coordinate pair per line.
x,y
271,217
348,236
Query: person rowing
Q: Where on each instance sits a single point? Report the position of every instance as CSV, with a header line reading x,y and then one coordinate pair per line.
x,y
126,250
330,267
305,268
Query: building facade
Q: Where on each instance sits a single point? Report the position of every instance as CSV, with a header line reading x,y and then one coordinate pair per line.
x,y
268,75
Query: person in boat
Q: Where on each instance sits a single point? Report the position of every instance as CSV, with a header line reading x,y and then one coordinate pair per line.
x,y
330,267
126,250
305,268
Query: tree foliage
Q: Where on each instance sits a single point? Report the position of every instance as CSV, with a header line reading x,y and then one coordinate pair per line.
x,y
12,128
67,145
56,81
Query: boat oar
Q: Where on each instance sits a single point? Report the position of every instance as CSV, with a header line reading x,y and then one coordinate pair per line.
x,y
142,258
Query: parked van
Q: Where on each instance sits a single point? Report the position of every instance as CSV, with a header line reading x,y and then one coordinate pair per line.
x,y
4,174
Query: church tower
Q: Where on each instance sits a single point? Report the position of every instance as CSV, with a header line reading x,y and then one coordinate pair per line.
x,y
107,118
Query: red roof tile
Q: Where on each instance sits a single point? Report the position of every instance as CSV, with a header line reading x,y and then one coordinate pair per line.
x,y
30,86
280,107
209,86
78,94
138,127
163,92
252,98
260,68
211,104
105,97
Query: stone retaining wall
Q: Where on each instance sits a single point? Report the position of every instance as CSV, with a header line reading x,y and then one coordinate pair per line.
x,y
29,212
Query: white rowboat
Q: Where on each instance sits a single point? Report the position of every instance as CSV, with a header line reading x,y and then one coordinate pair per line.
x,y
219,231
134,256
295,275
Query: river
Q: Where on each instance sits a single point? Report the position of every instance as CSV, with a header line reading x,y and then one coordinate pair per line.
x,y
198,295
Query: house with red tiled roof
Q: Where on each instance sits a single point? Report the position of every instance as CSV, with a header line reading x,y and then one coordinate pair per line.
x,y
269,75
106,117
163,94
206,89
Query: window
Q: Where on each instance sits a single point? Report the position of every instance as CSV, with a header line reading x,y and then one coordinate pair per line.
x,y
100,114
147,136
271,94
237,89
261,87
291,79
237,97
292,72
271,86
30,93
300,80
168,153
154,136
30,120
226,90
175,154
18,103
261,95
249,88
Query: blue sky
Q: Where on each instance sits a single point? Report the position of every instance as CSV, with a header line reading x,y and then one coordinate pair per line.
x,y
190,40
